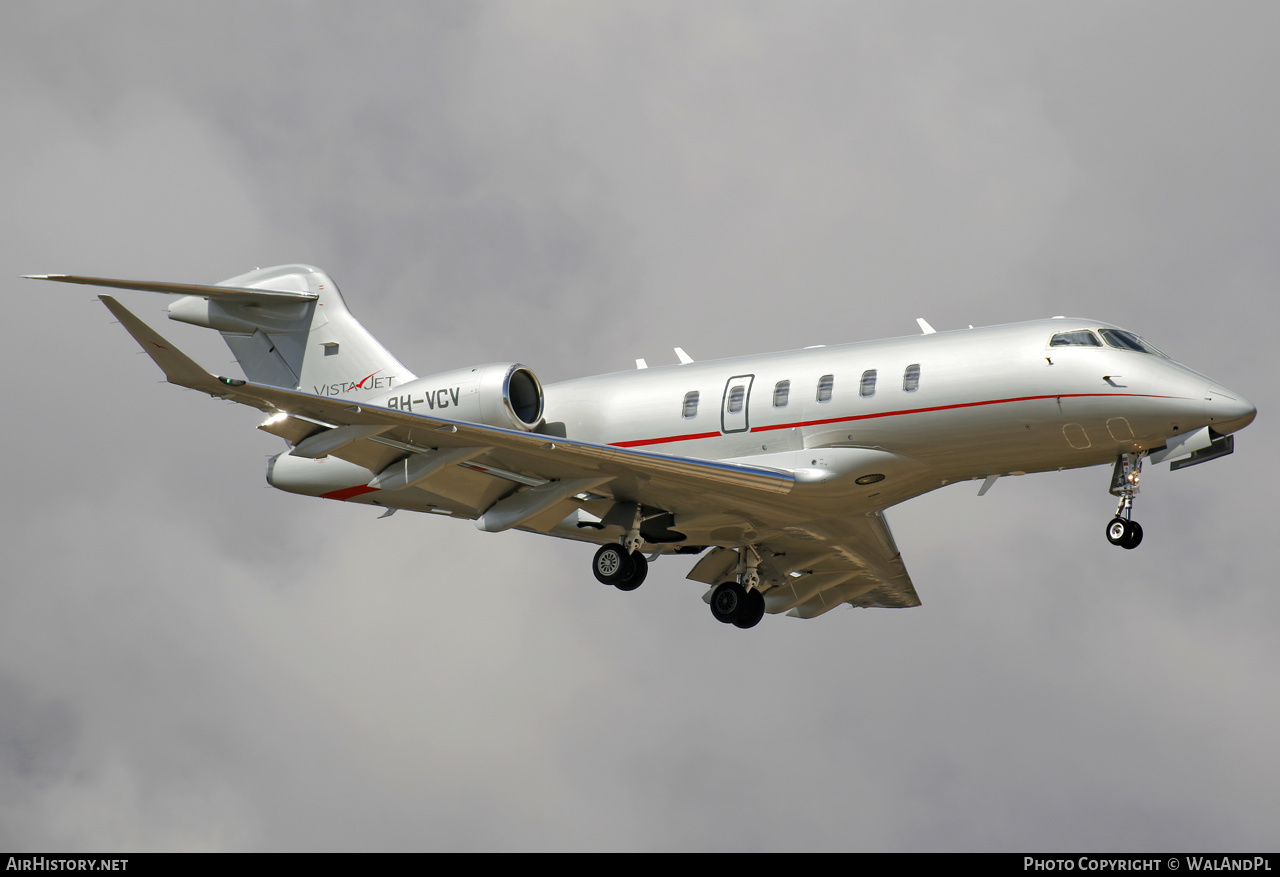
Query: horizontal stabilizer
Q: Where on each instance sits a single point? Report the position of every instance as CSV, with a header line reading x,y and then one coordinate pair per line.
x,y
222,293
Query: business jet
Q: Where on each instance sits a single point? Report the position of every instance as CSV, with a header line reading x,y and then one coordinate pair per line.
x,y
775,469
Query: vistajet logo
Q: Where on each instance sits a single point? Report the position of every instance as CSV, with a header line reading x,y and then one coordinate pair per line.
x,y
369,382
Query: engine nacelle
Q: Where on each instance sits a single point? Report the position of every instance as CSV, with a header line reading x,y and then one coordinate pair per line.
x,y
502,394
327,476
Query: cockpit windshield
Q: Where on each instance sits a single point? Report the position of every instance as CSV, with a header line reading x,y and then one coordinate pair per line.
x,y
1078,338
1117,338
1128,341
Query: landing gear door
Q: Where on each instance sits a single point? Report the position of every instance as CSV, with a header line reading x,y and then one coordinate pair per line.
x,y
733,409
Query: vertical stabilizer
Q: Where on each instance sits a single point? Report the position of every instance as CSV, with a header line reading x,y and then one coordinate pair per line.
x,y
305,339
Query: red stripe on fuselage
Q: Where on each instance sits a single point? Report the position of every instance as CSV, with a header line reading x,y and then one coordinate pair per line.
x,y
802,423
671,438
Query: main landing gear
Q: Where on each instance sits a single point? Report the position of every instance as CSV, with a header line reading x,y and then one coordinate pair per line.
x,y
615,565
622,565
733,604
739,601
1122,529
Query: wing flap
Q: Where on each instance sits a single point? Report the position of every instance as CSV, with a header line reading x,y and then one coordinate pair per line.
x,y
828,562
518,508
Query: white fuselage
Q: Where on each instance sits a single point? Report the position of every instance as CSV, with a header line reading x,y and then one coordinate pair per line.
x,y
942,407
979,402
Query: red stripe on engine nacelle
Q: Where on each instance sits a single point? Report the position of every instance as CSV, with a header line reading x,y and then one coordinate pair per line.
x,y
348,492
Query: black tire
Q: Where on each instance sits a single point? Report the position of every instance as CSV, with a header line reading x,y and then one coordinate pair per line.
x,y
753,611
728,602
1134,538
612,564
639,569
1117,531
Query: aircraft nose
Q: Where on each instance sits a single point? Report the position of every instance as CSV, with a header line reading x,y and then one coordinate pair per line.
x,y
1228,411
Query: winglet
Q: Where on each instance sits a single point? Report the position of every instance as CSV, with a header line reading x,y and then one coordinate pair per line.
x,y
179,368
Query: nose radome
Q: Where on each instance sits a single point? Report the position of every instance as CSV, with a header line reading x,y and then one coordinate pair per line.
x,y
1228,411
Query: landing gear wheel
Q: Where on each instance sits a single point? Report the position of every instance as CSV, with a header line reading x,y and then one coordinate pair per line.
x,y
728,602
639,569
1135,536
752,611
1126,534
612,564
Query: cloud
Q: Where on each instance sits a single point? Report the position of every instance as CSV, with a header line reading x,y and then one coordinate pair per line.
x,y
189,660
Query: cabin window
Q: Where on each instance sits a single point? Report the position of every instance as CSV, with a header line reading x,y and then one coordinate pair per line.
x,y
781,392
825,383
1078,338
736,396
911,378
868,385
690,405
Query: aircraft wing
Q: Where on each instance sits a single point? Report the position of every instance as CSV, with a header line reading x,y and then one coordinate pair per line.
x,y
505,478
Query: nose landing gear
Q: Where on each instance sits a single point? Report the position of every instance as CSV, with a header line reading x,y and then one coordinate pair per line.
x,y
1122,529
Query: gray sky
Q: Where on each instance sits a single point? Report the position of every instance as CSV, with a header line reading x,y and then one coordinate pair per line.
x,y
190,660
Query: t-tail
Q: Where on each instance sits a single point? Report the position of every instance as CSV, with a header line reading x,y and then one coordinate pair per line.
x,y
287,326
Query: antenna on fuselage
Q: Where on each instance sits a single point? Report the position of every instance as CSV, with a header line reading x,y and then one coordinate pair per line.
x,y
925,328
